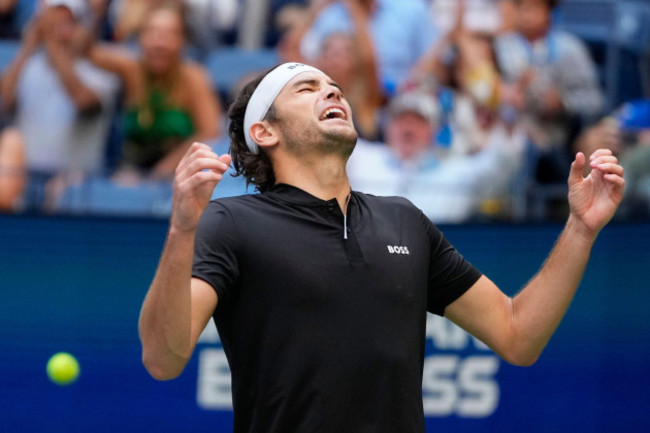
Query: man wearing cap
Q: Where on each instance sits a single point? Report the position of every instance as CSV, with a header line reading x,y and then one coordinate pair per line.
x,y
320,293
448,187
61,102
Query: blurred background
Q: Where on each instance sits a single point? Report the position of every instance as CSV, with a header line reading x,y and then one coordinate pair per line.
x,y
472,109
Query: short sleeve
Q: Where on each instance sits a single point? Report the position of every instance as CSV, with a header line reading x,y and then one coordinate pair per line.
x,y
450,275
215,250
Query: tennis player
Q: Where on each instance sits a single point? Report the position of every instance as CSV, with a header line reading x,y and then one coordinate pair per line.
x,y
320,293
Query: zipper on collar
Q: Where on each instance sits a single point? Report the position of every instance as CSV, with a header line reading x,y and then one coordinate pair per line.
x,y
345,217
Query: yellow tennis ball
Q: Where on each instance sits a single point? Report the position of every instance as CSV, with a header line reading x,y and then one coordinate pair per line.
x,y
62,368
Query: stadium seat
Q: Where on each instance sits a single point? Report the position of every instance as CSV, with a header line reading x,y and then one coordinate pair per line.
x,y
228,66
8,50
99,195
24,11
616,29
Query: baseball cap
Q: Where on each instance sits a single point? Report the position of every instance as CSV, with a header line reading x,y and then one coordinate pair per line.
x,y
416,101
634,115
77,7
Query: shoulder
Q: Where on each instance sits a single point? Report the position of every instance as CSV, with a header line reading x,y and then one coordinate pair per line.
x,y
568,44
235,204
195,75
94,74
507,41
227,215
394,211
393,206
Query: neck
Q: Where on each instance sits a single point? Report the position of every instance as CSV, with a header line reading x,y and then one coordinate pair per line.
x,y
323,176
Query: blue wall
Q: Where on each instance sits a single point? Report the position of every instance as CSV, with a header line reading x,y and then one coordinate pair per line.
x,y
77,284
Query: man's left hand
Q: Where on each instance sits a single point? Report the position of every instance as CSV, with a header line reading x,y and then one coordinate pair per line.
x,y
595,198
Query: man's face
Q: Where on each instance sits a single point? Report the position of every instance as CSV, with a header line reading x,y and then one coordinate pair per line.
x,y
533,18
162,40
408,134
59,25
337,57
313,115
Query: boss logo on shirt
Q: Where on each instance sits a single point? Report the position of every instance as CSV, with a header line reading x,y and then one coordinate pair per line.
x,y
396,249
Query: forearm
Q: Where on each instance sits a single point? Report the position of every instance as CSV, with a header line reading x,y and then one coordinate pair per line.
x,y
366,52
165,318
7,6
10,79
84,98
538,309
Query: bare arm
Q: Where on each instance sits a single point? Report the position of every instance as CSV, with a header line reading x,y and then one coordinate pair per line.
x,y
6,6
62,60
519,328
289,46
31,40
366,53
130,17
177,306
113,59
12,166
435,61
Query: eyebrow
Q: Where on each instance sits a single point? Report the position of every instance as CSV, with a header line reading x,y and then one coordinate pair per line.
x,y
314,82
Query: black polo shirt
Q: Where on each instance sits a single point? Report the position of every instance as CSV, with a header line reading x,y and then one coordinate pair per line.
x,y
325,330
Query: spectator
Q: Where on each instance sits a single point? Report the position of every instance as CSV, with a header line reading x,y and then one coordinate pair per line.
x,y
12,166
61,102
169,101
508,16
448,188
551,81
475,83
626,132
205,18
401,32
475,15
463,62
348,58
7,25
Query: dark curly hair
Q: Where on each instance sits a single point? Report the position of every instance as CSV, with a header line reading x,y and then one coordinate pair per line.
x,y
256,168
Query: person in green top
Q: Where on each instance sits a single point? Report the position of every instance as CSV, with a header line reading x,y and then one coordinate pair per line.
x,y
154,128
169,101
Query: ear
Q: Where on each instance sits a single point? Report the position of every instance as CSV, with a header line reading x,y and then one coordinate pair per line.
x,y
264,134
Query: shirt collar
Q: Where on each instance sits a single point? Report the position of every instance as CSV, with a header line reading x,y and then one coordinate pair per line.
x,y
295,195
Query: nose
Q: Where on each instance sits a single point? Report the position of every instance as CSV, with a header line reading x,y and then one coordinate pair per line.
x,y
334,92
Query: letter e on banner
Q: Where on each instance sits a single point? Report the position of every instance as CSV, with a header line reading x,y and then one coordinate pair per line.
x,y
214,381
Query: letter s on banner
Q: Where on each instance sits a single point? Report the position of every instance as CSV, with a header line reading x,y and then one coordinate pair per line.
x,y
466,387
478,387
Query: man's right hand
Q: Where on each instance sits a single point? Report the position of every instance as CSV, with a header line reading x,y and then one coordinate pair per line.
x,y
197,175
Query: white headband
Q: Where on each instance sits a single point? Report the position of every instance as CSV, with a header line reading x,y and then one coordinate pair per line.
x,y
265,93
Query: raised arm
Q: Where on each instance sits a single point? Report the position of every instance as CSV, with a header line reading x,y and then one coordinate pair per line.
x,y
289,45
177,307
31,40
366,52
519,328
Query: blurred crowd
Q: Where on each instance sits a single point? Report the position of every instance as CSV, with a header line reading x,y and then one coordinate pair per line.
x,y
472,109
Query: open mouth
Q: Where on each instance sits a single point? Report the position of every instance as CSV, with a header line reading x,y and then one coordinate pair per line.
x,y
333,113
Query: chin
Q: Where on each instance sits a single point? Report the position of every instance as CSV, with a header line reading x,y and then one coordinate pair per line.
x,y
342,142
